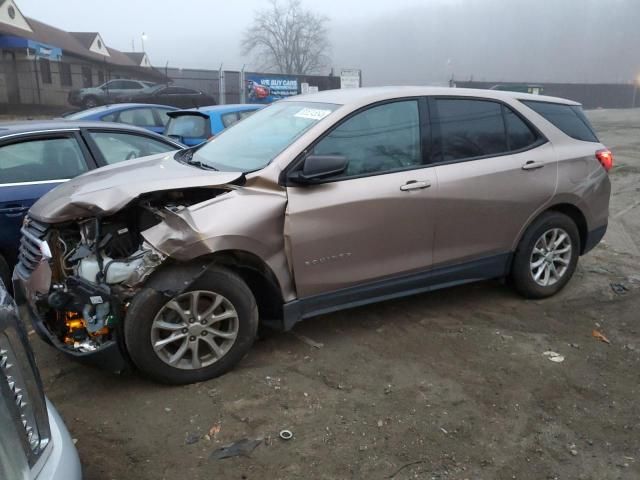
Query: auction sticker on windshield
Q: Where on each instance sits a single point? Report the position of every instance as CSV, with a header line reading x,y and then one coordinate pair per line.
x,y
312,113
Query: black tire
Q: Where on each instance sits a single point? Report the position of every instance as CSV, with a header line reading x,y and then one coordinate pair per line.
x,y
522,278
148,302
5,273
90,102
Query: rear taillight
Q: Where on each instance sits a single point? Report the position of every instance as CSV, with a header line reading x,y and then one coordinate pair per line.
x,y
605,157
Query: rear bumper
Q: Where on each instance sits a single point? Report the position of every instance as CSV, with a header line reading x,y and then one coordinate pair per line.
x,y
593,238
26,291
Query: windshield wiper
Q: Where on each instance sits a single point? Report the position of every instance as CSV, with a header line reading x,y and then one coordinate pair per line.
x,y
199,164
186,156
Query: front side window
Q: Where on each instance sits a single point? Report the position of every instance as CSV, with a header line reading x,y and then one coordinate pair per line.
x,y
381,139
568,118
141,117
116,147
253,143
41,160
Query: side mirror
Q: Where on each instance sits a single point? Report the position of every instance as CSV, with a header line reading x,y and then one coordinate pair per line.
x,y
317,167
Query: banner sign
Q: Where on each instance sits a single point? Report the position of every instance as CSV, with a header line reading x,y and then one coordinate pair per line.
x,y
267,89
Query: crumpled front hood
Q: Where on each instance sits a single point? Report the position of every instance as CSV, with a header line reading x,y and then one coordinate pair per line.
x,y
106,190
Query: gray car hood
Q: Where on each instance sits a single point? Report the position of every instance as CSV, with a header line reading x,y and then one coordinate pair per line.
x,y
106,190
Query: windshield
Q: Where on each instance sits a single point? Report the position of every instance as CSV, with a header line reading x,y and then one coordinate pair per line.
x,y
253,143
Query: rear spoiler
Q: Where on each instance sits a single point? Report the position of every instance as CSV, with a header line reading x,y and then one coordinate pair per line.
x,y
185,113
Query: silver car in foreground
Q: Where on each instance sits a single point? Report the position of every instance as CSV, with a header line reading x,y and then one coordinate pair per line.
x,y
34,442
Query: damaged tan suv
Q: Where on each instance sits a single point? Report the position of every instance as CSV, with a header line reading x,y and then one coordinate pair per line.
x,y
314,204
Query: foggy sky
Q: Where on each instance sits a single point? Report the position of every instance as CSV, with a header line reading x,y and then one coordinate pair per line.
x,y
392,41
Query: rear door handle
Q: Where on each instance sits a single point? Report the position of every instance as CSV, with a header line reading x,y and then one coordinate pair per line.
x,y
531,165
414,185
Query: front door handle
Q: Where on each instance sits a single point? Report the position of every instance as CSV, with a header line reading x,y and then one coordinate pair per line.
x,y
13,210
531,165
414,185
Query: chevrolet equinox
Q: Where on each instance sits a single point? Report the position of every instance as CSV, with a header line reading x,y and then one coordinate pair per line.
x,y
316,203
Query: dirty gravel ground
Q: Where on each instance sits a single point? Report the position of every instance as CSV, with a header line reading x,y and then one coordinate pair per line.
x,y
446,385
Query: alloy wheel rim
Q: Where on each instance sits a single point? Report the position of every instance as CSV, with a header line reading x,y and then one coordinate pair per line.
x,y
194,330
550,257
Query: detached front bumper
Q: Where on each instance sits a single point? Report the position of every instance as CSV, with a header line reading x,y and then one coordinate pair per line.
x,y
27,291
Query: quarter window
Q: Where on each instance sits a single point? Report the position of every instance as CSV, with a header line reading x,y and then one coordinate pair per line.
x,y
381,139
41,160
568,118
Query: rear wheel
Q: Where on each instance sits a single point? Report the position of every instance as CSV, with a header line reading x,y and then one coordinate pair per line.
x,y
546,256
195,335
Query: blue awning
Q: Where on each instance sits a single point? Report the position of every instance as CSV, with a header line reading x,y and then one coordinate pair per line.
x,y
40,50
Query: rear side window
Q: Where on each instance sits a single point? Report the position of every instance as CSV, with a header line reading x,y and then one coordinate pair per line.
x,y
519,135
116,147
142,117
229,119
188,126
41,160
470,128
568,118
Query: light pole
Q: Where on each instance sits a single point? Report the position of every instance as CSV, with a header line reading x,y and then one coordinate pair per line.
x,y
636,83
144,37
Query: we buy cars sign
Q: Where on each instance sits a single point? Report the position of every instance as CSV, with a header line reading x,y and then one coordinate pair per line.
x,y
269,88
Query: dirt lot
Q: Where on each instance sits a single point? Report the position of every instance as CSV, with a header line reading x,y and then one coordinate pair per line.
x,y
447,385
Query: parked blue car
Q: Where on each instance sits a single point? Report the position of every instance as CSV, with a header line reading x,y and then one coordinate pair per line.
x,y
194,126
39,155
151,117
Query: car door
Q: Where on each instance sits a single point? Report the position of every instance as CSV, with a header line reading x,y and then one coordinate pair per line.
x,y
112,146
495,170
30,166
376,219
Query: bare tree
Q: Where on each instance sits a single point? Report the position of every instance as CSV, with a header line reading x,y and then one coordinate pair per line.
x,y
288,39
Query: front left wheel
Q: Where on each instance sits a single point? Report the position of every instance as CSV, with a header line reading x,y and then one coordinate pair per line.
x,y
195,335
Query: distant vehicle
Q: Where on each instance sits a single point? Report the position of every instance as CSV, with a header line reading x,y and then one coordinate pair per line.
x,y
314,204
106,93
194,126
38,156
523,88
149,116
170,95
34,441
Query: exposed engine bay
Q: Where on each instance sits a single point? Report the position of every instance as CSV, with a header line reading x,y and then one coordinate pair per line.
x,y
99,264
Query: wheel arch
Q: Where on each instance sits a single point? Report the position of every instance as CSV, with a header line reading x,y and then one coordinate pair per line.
x,y
570,210
174,277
